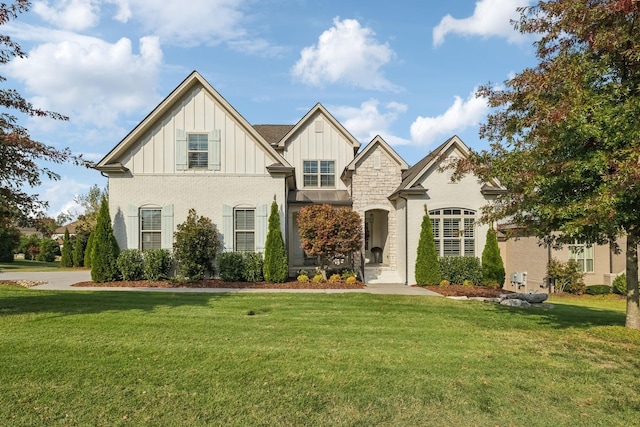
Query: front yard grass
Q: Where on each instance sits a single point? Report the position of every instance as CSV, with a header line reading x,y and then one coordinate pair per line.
x,y
129,358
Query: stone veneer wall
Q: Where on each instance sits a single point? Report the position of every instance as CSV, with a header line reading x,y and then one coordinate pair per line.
x,y
371,186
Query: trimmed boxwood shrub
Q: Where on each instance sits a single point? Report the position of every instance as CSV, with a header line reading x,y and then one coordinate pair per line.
x,y
620,284
157,264
597,290
231,266
457,269
130,264
253,265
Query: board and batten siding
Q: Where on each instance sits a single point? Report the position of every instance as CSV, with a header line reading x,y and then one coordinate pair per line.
x,y
155,152
319,142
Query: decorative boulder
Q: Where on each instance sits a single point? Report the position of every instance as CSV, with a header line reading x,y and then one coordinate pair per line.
x,y
530,298
512,302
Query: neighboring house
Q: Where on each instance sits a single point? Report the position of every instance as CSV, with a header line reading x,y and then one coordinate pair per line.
x,y
194,150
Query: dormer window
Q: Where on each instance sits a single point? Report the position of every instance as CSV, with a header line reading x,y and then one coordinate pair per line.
x,y
319,173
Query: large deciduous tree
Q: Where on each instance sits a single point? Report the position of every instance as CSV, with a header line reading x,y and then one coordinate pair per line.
x,y
565,134
328,233
20,156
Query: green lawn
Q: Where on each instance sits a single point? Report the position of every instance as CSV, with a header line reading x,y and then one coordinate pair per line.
x,y
28,265
133,358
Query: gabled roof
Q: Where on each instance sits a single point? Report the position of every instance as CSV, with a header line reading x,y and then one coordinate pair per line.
x,y
318,108
378,141
411,176
194,79
273,134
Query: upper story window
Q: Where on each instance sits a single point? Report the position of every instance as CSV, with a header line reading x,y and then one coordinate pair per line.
x,y
583,255
454,231
150,228
198,150
319,173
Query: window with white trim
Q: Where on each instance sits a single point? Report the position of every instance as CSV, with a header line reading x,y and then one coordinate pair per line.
x,y
319,173
454,231
583,255
150,228
244,230
198,150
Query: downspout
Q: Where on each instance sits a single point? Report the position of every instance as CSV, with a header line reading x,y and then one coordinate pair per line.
x,y
406,240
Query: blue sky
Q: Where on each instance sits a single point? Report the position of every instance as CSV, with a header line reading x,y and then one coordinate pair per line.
x,y
405,70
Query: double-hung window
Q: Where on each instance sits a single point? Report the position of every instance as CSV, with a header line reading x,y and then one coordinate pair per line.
x,y
245,230
454,231
198,150
583,255
150,229
319,173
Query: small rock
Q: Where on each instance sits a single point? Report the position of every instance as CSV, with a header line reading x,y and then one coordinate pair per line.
x,y
533,298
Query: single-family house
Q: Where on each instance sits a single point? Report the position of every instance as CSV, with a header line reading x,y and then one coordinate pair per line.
x,y
195,150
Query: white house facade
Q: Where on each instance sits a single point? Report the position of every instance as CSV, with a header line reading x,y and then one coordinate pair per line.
x,y
195,151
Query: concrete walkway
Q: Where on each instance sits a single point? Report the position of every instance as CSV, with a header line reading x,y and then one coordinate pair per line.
x,y
62,281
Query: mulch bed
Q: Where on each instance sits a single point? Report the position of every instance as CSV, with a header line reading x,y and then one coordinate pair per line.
x,y
215,283
467,291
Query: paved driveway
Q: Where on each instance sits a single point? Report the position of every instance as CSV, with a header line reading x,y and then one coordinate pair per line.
x,y
62,281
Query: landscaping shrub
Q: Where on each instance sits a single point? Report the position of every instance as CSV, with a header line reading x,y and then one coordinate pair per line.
x,y
303,278
48,250
428,270
620,284
26,243
105,248
130,264
335,278
253,267
88,251
348,273
492,266
457,269
276,265
350,280
567,276
444,283
157,264
597,290
231,266
9,239
196,245
318,278
66,260
78,250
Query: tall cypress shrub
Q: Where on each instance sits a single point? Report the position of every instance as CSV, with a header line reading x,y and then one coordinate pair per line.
x,y
105,248
88,251
492,266
276,265
427,266
67,251
78,250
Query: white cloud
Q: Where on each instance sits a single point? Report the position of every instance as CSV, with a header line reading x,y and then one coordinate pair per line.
x,y
490,18
89,79
72,15
346,53
61,196
367,121
459,116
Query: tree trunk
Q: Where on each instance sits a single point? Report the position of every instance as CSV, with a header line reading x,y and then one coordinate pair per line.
x,y
633,302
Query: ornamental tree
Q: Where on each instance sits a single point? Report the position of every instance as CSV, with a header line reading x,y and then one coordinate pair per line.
x,y
276,265
565,134
427,270
196,245
329,233
492,266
